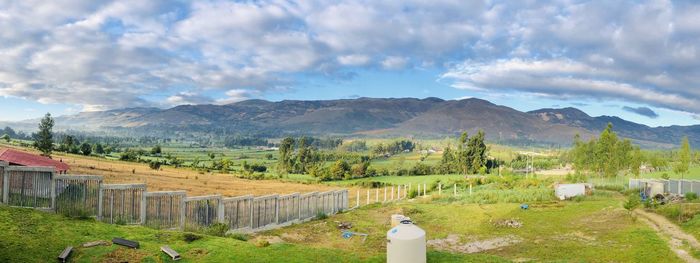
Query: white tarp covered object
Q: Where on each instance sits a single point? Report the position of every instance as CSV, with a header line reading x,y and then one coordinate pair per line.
x,y
564,191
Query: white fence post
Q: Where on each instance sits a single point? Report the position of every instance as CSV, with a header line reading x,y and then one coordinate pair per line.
x,y
392,193
418,190
425,189
376,195
384,193
358,198
367,196
454,188
470,189
440,189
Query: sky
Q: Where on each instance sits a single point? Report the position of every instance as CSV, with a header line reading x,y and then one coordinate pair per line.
x,y
639,60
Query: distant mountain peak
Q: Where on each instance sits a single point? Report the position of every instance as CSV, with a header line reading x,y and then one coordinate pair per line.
x,y
384,117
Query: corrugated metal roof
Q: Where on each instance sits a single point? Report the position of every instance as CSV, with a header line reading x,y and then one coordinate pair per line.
x,y
27,159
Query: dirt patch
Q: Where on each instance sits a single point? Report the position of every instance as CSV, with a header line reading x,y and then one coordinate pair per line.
x,y
509,223
269,239
196,253
452,243
296,237
124,255
577,236
675,236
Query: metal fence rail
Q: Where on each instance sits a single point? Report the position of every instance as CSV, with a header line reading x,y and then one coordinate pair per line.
x,y
163,209
77,195
122,203
87,196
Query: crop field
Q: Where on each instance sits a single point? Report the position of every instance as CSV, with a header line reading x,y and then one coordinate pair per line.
x,y
170,178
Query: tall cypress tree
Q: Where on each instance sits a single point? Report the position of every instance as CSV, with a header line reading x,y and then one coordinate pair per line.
x,y
43,140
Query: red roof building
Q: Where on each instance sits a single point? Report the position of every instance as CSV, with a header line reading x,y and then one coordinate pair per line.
x,y
15,157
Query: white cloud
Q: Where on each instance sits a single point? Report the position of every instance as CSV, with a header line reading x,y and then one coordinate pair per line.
x,y
188,98
394,63
236,95
107,54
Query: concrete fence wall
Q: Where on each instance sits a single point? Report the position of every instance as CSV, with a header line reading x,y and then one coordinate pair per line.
x,y
88,196
673,186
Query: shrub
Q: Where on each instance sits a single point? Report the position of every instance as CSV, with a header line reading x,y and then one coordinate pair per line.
x,y
690,196
413,193
217,229
190,237
239,236
262,243
632,202
665,176
321,215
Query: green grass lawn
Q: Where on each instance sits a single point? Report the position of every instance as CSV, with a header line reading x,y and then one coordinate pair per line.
x,y
400,180
34,236
596,229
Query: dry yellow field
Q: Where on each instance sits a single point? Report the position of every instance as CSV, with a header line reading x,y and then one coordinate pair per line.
x,y
170,178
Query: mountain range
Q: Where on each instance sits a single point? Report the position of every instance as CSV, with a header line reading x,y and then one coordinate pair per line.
x,y
368,117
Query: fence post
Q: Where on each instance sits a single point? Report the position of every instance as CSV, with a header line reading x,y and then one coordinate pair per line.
x,y
277,210
392,193
385,193
183,214
367,196
424,189
53,191
220,212
454,188
470,189
440,189
418,190
398,192
99,202
376,195
358,198
143,208
6,187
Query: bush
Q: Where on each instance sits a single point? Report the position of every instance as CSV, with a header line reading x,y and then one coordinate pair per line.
x,y
190,237
321,215
691,196
239,236
413,193
262,243
632,202
217,229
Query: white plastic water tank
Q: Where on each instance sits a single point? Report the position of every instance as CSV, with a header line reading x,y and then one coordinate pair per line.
x,y
405,244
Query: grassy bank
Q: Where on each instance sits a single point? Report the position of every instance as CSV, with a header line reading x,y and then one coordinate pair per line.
x,y
33,236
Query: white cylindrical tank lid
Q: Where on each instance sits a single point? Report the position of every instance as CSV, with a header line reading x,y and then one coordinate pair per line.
x,y
406,244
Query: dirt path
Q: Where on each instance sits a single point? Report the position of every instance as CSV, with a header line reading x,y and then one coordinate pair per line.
x,y
675,235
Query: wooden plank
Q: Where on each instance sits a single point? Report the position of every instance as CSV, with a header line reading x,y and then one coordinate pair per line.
x,y
63,257
170,252
126,243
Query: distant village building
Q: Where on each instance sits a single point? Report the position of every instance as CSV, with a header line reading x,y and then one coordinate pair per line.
x,y
20,158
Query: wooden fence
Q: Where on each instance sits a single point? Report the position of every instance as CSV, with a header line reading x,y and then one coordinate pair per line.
x,y
88,196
